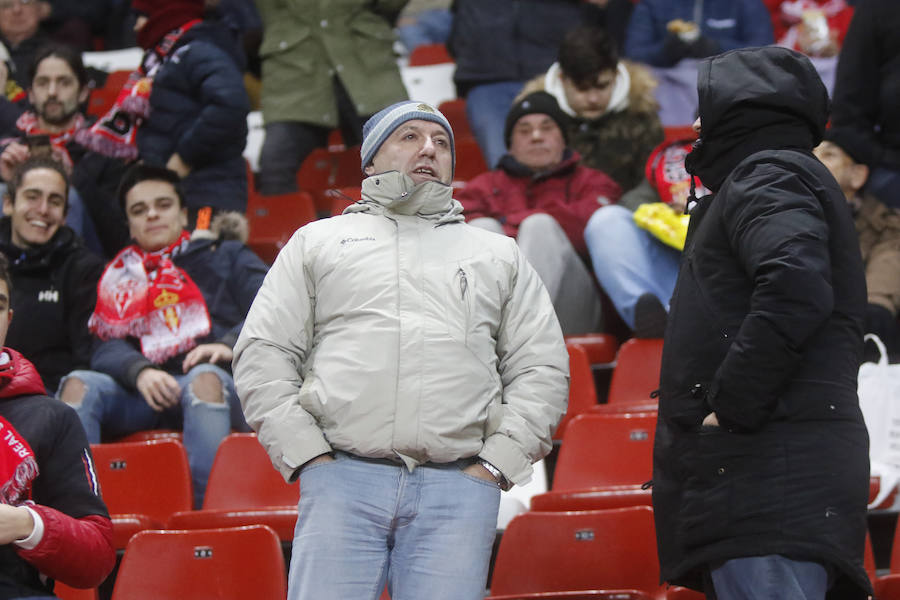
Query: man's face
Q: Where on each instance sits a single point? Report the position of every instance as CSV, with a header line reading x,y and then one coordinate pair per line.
x,y
850,175
6,312
19,19
55,92
420,149
537,142
38,209
590,101
155,218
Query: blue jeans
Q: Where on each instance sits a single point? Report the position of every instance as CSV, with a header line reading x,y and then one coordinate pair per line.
x,y
364,522
628,261
430,27
116,411
772,577
486,109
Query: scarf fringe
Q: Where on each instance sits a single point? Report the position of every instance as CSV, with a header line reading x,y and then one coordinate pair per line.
x,y
16,489
106,330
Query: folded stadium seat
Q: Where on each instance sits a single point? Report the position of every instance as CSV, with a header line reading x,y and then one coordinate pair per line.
x,y
274,219
604,460
151,434
101,99
429,54
244,489
469,161
601,347
674,133
341,198
581,595
582,393
325,169
226,564
64,592
455,111
143,484
578,551
636,373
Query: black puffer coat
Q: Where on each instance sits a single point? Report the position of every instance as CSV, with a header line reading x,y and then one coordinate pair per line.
x,y
765,330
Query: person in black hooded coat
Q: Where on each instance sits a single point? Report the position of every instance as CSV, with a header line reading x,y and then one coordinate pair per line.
x,y
761,450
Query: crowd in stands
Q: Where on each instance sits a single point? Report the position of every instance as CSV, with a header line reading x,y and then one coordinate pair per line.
x,y
125,234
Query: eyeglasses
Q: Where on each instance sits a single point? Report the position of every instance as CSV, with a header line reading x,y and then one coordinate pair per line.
x,y
11,4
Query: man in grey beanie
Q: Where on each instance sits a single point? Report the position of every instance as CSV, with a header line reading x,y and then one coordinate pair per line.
x,y
406,367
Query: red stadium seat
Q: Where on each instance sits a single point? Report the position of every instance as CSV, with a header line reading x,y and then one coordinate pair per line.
x,y
582,393
636,373
203,564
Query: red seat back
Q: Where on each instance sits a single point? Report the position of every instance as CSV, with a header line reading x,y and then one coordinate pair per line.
x,y
636,373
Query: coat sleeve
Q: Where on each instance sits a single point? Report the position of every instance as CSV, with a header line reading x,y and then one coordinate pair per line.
x,y
754,27
247,277
81,287
119,359
221,93
645,40
268,357
780,236
534,372
857,83
77,552
76,547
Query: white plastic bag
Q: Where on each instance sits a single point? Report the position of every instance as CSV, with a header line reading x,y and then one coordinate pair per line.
x,y
879,399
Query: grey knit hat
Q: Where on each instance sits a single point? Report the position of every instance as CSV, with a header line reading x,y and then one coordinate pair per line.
x,y
383,123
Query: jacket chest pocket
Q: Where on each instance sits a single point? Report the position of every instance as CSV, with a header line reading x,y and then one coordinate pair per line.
x,y
459,301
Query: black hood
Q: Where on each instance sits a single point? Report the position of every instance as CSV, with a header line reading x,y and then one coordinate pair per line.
x,y
755,99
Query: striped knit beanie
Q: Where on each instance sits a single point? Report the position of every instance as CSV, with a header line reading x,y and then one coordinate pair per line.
x,y
383,123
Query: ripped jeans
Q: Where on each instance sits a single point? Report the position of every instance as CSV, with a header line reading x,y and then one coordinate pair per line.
x,y
117,411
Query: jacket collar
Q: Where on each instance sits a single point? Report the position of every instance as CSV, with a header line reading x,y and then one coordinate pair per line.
x,y
394,192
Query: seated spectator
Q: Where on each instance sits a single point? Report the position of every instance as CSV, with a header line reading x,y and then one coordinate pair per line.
x,y
21,33
814,27
541,195
185,107
498,46
866,89
614,123
53,524
635,268
847,155
324,65
55,276
169,310
662,32
57,89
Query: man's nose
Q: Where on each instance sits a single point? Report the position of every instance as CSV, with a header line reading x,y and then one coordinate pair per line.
x,y
428,147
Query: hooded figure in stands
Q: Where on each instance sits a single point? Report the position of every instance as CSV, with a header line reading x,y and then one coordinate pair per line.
x,y
760,477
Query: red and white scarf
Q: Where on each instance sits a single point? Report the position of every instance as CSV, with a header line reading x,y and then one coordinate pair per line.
x,y
115,133
144,295
28,124
18,466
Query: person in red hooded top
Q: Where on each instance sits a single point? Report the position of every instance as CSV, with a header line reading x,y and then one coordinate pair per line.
x,y
53,523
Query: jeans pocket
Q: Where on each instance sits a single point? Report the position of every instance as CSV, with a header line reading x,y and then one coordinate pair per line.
x,y
480,481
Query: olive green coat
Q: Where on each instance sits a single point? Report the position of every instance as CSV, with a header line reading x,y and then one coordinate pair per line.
x,y
307,42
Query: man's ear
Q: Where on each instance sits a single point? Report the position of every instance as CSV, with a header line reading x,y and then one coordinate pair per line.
x,y
859,174
369,170
44,9
7,204
82,95
184,217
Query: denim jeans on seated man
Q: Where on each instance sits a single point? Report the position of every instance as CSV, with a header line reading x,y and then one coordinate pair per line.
x,y
109,410
628,261
486,108
361,520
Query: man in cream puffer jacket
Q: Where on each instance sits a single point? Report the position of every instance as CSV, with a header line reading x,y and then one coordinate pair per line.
x,y
405,366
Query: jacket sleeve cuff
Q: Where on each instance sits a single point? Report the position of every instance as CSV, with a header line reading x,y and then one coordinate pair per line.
x,y
502,452
37,533
134,369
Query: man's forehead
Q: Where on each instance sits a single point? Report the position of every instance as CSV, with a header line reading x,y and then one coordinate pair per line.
x,y
159,190
58,67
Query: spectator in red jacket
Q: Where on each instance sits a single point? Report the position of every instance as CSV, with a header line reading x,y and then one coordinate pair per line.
x,y
541,195
53,524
